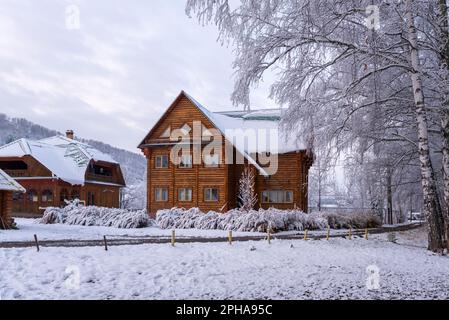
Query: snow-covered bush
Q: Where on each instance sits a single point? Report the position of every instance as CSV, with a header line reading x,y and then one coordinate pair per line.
x,y
261,220
76,214
351,219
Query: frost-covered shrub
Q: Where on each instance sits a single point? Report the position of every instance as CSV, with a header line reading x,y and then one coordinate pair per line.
x,y
76,214
260,220
351,219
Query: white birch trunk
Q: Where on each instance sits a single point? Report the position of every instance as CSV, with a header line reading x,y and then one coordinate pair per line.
x,y
432,208
444,45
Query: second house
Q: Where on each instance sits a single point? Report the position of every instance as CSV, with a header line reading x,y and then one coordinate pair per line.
x,y
57,169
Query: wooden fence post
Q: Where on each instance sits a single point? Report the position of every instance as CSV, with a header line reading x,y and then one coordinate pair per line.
x,y
305,234
328,233
105,243
36,242
230,237
269,236
350,233
173,238
366,234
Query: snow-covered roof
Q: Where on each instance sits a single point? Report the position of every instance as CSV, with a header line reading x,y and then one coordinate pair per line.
x,y
9,184
253,132
250,132
67,159
270,136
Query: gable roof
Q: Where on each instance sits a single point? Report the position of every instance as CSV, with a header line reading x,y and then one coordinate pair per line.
x,y
231,124
9,184
67,159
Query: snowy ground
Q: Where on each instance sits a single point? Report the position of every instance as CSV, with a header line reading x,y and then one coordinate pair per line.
x,y
334,269
29,227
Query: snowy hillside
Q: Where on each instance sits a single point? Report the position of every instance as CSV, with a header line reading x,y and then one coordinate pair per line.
x,y
132,164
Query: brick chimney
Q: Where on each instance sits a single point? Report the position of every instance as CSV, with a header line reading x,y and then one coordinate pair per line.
x,y
69,134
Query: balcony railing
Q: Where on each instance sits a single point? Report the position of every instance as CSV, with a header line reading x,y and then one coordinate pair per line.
x,y
100,177
17,173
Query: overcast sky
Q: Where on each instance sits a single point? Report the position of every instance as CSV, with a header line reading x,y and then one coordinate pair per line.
x,y
111,78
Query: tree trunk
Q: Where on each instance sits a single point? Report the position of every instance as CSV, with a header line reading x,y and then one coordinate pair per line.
x,y
444,45
432,208
389,199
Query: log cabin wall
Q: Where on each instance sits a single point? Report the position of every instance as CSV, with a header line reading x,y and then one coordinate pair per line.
x,y
197,178
291,175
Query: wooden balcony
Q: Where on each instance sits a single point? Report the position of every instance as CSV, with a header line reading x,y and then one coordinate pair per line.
x,y
100,178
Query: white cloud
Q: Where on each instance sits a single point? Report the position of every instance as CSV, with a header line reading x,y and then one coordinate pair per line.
x,y
111,79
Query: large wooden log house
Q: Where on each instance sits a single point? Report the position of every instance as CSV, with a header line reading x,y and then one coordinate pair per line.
x,y
8,186
213,183
57,169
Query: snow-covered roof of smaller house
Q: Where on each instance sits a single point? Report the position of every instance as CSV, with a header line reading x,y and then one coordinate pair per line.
x,y
9,184
67,159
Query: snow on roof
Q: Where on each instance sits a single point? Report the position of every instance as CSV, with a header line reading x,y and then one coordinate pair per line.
x,y
67,159
253,132
79,147
9,184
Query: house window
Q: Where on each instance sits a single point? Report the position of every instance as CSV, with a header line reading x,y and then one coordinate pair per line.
x,y
211,161
277,196
161,194
162,161
186,161
185,194
100,170
47,196
90,198
17,196
206,134
166,133
185,129
33,196
211,194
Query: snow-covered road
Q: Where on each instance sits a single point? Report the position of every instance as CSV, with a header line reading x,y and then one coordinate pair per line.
x,y
334,269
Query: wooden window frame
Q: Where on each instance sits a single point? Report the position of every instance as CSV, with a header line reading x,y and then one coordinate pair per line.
x,y
277,202
211,188
207,166
164,135
161,156
191,162
191,194
33,196
44,196
161,188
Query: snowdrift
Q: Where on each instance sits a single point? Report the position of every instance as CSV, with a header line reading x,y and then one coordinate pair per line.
x,y
262,220
76,214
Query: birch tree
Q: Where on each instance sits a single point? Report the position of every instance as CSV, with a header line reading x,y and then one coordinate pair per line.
x,y
247,189
357,79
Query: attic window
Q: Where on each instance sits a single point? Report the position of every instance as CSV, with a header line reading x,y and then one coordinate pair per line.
x,y
205,132
186,129
166,133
